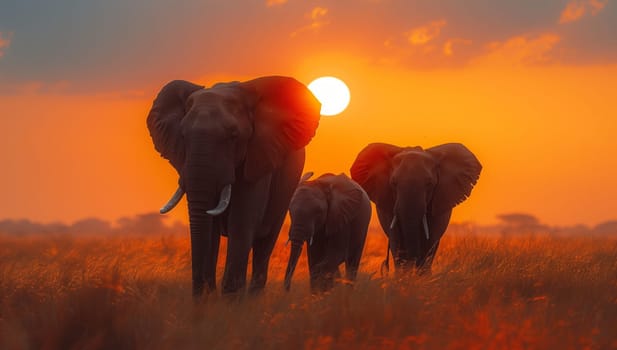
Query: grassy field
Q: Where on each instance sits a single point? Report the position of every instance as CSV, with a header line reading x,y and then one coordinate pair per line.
x,y
486,292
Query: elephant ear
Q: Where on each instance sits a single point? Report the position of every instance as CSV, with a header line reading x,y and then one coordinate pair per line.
x,y
372,169
458,170
286,116
164,118
344,198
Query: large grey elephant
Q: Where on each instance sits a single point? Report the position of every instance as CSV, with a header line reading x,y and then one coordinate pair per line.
x,y
331,214
238,149
415,191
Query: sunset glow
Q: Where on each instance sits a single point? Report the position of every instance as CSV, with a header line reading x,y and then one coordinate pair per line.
x,y
332,93
531,92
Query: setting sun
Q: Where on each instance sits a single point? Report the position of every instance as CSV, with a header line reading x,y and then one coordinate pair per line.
x,y
332,93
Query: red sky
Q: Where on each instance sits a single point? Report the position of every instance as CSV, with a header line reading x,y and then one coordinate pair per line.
x,y
530,88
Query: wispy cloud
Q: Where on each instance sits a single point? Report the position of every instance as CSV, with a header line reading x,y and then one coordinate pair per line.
x,y
521,50
34,87
448,46
318,12
5,42
428,46
317,17
271,3
577,9
424,34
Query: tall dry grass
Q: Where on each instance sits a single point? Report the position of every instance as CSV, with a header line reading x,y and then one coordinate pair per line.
x,y
486,292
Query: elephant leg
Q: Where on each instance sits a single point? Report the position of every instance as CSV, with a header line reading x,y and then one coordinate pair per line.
x,y
396,242
325,274
262,249
282,186
329,278
318,279
424,265
246,214
351,265
315,256
234,277
331,253
334,260
357,240
438,225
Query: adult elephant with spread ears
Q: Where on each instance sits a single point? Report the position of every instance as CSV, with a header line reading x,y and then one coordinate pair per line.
x,y
238,149
415,191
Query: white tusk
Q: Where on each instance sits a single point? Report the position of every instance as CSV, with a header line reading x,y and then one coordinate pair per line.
x,y
311,241
306,176
223,201
393,223
173,201
425,224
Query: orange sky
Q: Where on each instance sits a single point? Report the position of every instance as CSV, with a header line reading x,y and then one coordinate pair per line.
x,y
535,105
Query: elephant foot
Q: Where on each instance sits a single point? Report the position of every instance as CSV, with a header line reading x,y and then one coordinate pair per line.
x,y
233,287
201,291
403,271
199,299
234,298
424,271
198,289
322,284
257,288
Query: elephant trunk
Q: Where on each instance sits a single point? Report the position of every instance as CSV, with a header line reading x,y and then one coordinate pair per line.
x,y
206,175
413,231
201,226
204,189
416,235
294,255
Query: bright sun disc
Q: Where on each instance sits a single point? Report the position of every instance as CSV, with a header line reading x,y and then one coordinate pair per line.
x,y
332,93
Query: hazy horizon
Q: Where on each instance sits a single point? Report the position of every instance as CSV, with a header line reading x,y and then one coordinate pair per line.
x,y
155,223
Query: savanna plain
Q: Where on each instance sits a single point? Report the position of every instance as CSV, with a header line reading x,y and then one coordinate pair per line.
x,y
487,291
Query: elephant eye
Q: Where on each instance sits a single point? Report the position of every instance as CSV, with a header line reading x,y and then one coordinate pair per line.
x,y
234,133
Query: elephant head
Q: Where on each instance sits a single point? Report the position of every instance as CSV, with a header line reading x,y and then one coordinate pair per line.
x,y
415,190
238,131
319,209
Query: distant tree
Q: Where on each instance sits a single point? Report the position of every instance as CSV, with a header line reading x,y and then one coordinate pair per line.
x,y
91,226
519,219
149,223
27,227
606,228
514,223
575,230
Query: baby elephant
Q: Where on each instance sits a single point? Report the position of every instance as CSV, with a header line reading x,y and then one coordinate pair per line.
x,y
332,214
